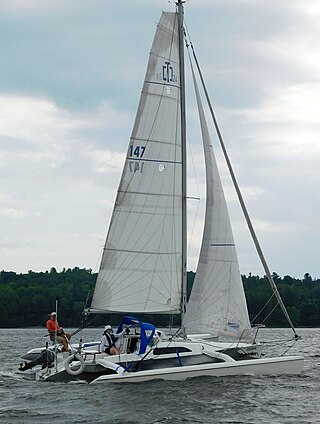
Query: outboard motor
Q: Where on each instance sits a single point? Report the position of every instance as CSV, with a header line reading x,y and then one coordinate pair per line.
x,y
45,358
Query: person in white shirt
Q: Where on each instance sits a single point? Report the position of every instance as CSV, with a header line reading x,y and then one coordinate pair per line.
x,y
108,341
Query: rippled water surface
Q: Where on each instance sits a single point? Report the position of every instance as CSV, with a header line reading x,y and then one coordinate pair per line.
x,y
243,399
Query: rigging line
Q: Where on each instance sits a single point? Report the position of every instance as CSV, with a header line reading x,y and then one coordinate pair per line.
x,y
180,33
241,200
262,309
270,313
136,366
174,335
290,347
175,243
86,304
275,342
85,325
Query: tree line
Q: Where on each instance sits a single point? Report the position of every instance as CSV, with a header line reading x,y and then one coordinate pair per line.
x,y
27,299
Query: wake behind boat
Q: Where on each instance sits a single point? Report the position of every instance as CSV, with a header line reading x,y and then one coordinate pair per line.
x,y
144,263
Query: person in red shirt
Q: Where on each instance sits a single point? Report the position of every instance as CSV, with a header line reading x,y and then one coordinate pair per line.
x,y
56,332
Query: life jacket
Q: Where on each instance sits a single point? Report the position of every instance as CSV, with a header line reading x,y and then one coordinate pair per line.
x,y
110,338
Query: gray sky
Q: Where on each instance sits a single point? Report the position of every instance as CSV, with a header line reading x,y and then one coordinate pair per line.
x,y
71,75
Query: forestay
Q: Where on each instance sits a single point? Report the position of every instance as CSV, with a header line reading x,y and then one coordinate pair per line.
x,y
140,269
217,303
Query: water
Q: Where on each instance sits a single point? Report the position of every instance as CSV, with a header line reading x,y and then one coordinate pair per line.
x,y
243,399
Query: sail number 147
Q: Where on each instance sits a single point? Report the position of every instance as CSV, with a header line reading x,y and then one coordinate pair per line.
x,y
136,152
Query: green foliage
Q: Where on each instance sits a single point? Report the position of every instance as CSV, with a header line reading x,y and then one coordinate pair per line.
x,y
27,299
301,297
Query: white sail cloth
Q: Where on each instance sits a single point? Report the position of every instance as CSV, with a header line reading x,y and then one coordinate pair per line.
x,y
217,303
141,264
140,269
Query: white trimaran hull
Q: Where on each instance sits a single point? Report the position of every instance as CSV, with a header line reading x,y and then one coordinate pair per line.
x,y
197,358
265,366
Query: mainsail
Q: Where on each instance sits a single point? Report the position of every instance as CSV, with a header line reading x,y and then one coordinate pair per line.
x,y
141,266
217,303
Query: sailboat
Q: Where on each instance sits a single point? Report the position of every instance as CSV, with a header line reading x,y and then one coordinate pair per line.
x,y
144,262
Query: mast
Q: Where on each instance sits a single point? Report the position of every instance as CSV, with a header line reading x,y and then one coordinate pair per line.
x,y
184,159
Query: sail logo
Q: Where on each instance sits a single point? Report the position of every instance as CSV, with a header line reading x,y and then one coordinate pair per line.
x,y
233,326
167,73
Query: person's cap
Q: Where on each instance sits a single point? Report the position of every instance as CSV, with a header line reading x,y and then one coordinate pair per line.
x,y
107,327
53,313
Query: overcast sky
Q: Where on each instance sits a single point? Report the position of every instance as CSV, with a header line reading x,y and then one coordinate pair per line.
x,y
71,76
